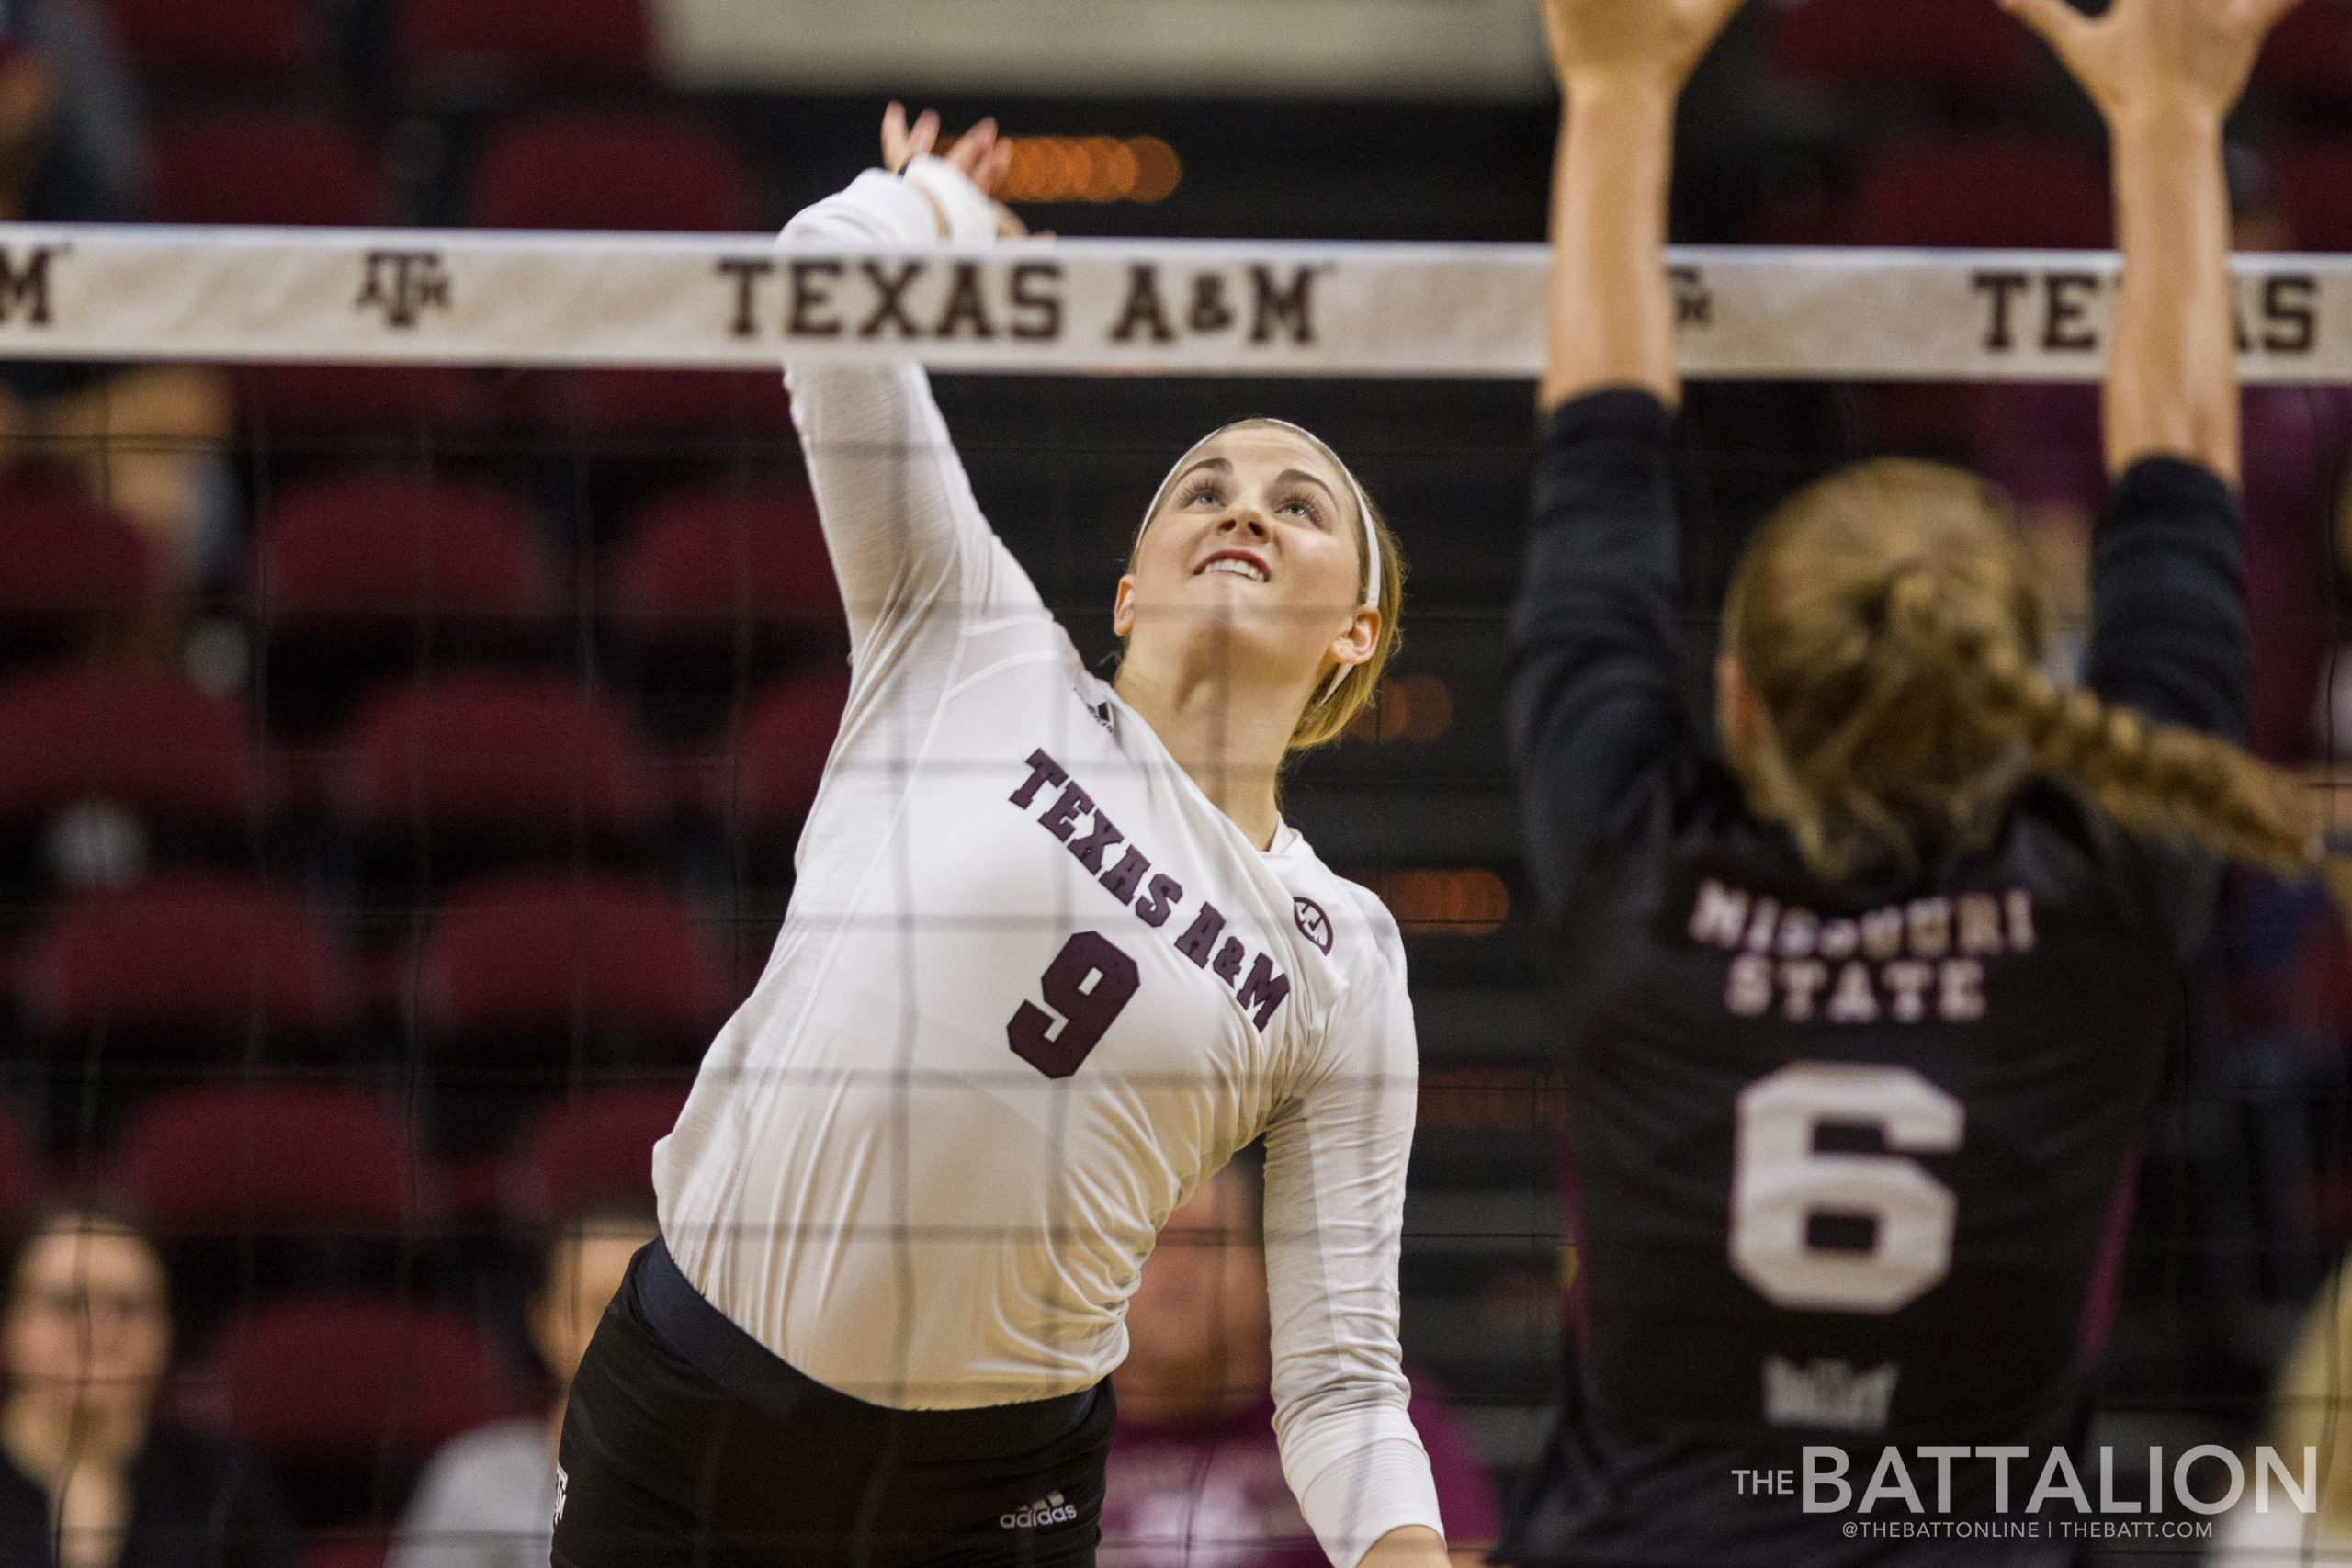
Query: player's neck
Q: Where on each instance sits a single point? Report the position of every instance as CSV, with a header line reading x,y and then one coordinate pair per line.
x,y
1230,737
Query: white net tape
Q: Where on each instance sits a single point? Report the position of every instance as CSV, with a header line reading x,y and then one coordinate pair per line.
x,y
706,301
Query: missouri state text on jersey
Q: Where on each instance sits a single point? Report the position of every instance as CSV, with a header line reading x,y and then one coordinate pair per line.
x,y
1202,938
1907,962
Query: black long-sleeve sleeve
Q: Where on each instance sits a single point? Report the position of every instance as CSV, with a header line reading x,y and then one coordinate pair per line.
x,y
2168,626
1594,701
2168,635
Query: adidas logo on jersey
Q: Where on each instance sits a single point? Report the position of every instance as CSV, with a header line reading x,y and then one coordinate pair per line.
x,y
1047,1510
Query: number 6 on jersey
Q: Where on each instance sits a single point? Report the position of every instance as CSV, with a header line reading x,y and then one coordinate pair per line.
x,y
1781,1183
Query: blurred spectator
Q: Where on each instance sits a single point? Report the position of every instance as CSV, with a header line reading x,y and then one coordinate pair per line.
x,y
488,1499
1196,1479
90,1479
2313,1409
2042,444
146,439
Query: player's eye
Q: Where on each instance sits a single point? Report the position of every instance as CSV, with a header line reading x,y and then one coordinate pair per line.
x,y
1203,489
1304,506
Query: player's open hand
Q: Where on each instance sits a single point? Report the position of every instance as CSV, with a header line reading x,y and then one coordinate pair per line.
x,y
2157,56
1651,43
980,153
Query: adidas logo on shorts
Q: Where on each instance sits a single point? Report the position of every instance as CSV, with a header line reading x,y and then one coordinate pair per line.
x,y
1047,1510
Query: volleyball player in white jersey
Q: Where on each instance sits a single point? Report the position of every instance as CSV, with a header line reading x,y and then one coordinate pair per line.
x,y
1053,955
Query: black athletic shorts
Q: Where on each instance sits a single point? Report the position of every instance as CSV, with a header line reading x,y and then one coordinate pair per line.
x,y
688,1444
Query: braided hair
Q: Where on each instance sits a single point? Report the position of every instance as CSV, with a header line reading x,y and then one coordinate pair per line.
x,y
1887,620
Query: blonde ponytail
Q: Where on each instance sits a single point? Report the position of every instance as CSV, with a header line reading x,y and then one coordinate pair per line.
x,y
1887,621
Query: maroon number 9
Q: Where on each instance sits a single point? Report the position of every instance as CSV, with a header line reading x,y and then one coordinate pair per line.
x,y
1089,982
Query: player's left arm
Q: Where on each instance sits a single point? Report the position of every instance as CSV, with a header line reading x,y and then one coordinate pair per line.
x,y
1334,1219
1595,702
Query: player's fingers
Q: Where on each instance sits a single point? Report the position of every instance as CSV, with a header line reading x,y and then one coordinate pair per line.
x,y
993,168
925,135
972,150
894,135
2059,25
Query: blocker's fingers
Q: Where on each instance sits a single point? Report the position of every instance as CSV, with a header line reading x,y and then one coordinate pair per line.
x,y
894,136
2059,25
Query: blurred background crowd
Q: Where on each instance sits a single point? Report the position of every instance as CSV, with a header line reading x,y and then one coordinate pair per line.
x,y
400,768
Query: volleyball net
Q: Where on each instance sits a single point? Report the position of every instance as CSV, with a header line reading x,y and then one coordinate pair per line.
x,y
1189,307
421,657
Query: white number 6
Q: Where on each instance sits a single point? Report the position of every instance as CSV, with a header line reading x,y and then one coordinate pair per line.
x,y
1780,1181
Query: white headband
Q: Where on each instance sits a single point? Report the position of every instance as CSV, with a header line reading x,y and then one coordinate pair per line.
x,y
1364,504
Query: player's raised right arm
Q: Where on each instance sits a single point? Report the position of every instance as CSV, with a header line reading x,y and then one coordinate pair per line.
x,y
1595,697
1621,65
904,531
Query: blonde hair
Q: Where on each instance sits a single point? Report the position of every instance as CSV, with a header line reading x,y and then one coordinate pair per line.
x,y
2312,1407
1337,700
1887,620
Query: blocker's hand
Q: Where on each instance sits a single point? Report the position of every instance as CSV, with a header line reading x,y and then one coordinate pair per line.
x,y
1652,43
2157,56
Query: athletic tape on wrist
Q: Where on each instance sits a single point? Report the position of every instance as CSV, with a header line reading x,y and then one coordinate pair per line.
x,y
971,216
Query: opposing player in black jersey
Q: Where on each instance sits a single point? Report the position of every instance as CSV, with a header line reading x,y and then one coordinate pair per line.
x,y
1864,1021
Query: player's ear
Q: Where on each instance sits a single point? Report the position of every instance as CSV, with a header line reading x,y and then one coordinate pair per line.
x,y
1360,640
1123,606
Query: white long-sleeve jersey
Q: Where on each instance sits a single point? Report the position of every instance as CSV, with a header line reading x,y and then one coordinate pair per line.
x,y
1033,988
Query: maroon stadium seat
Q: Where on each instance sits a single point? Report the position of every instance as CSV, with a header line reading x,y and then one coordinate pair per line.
x,y
356,576
370,399
588,1150
651,402
2313,178
188,957
349,1379
70,571
518,960
502,752
265,166
234,37
273,1159
611,169
146,740
2309,53
400,546
1869,45
468,38
697,563
769,779
1991,189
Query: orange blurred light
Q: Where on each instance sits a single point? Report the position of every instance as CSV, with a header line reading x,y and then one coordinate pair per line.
x,y
1092,168
1158,169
